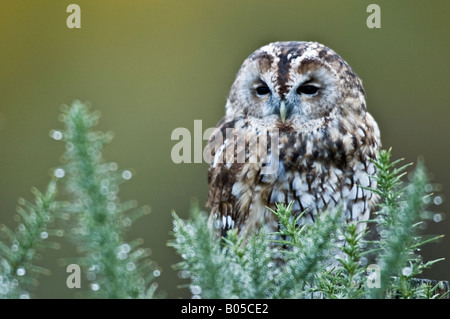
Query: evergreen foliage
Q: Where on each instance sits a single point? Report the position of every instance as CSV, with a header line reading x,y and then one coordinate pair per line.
x,y
330,258
94,219
117,268
398,218
20,252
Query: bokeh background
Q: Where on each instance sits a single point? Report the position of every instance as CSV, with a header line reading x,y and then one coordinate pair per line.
x,y
153,66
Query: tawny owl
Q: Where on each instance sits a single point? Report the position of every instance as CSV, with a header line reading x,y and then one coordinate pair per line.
x,y
296,130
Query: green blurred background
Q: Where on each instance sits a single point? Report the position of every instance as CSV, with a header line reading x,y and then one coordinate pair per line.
x,y
153,66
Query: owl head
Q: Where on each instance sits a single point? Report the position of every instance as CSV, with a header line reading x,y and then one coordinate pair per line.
x,y
295,82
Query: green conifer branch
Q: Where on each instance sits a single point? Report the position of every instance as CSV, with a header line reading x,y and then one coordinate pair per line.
x,y
325,259
202,257
398,218
18,269
309,246
117,268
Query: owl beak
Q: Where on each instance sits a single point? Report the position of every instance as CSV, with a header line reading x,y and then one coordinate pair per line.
x,y
283,111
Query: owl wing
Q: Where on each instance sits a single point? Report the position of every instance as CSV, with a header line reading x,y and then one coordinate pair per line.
x,y
220,198
222,176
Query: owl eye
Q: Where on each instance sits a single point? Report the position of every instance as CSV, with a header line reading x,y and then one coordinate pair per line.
x,y
307,89
262,90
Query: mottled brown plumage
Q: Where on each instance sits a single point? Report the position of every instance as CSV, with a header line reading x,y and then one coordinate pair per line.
x,y
296,130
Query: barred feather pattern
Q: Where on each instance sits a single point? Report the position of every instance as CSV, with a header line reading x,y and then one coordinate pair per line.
x,y
321,153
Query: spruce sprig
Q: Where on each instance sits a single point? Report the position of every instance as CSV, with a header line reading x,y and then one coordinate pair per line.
x,y
308,248
117,268
325,259
398,216
21,249
252,266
